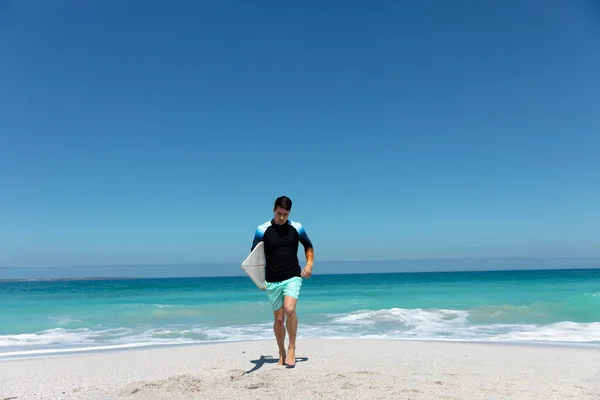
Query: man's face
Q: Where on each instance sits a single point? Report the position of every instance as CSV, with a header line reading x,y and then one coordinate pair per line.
x,y
281,215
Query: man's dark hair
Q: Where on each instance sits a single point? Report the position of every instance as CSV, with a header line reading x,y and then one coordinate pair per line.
x,y
283,202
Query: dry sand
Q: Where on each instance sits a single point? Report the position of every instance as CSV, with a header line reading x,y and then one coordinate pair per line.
x,y
326,369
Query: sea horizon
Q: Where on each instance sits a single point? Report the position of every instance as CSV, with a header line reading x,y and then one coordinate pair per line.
x,y
328,267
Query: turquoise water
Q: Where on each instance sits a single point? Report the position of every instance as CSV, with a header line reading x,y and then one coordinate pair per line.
x,y
54,317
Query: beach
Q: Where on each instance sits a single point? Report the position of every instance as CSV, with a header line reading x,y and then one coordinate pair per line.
x,y
471,335
325,369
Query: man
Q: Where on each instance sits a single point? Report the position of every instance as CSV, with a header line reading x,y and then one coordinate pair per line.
x,y
282,272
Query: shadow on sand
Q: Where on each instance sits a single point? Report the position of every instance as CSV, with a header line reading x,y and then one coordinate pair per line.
x,y
270,360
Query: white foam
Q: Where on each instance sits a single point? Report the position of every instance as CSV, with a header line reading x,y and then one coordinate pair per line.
x,y
408,317
394,323
558,332
71,350
444,324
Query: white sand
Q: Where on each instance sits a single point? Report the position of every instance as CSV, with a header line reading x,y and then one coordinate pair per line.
x,y
326,369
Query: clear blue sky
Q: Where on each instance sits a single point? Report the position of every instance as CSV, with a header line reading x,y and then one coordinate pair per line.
x,y
135,132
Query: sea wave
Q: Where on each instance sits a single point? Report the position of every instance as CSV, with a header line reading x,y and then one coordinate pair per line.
x,y
393,323
442,324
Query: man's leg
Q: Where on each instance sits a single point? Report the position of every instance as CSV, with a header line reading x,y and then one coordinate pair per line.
x,y
291,292
275,294
291,323
279,329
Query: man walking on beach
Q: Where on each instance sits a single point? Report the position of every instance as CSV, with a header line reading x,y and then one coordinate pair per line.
x,y
282,272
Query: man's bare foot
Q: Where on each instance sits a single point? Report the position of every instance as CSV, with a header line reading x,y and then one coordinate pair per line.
x,y
281,358
291,356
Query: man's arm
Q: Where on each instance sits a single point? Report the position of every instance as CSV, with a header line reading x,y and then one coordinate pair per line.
x,y
258,236
309,251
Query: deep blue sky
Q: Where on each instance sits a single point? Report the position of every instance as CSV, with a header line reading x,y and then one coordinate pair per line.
x,y
136,132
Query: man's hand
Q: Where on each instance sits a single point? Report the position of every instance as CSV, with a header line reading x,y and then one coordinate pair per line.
x,y
307,271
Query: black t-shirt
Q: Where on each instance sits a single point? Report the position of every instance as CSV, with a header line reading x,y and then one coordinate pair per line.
x,y
281,248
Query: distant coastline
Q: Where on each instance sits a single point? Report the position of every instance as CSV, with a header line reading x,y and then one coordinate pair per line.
x,y
117,278
90,278
220,270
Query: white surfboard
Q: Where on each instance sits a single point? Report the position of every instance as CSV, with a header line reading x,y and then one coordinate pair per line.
x,y
254,265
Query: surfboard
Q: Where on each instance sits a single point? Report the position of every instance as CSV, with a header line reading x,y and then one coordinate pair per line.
x,y
254,265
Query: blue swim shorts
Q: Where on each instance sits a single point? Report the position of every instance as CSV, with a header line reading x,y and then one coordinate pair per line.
x,y
276,291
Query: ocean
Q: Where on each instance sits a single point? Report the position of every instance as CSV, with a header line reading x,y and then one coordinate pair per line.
x,y
57,317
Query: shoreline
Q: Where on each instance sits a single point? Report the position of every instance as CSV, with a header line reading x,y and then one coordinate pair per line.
x,y
67,352
325,368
